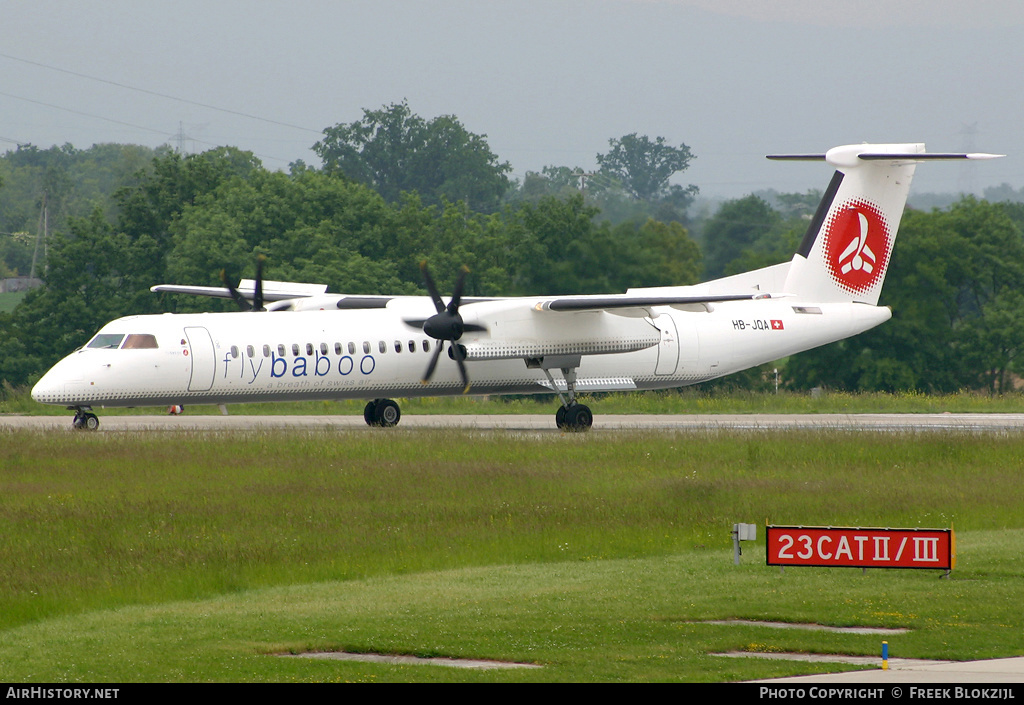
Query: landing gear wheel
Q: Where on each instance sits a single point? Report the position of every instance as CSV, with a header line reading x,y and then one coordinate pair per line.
x,y
388,413
382,412
85,421
580,418
370,413
575,417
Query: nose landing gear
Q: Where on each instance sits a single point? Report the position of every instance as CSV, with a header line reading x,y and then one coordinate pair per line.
x,y
84,419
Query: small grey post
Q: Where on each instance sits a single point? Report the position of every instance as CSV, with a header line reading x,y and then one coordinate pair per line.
x,y
741,532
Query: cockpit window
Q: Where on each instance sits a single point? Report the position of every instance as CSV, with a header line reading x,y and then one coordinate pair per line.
x,y
139,340
107,341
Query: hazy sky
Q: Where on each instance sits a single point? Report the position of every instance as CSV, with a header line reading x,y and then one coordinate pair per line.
x,y
548,81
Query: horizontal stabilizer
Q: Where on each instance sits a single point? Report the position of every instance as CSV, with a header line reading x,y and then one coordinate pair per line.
x,y
929,156
849,155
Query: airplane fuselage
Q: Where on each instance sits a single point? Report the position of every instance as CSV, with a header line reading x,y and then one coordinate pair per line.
x,y
225,358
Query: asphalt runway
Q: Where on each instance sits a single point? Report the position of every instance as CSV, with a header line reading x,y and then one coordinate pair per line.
x,y
982,423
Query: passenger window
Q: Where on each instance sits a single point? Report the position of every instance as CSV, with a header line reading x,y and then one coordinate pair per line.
x,y
412,346
234,352
382,346
309,348
351,348
139,341
337,348
366,347
249,351
280,350
323,348
426,346
295,349
398,346
266,351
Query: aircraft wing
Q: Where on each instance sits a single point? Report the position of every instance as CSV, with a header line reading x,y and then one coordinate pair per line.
x,y
316,296
272,290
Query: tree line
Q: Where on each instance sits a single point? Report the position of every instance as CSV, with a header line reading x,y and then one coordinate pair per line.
x,y
395,189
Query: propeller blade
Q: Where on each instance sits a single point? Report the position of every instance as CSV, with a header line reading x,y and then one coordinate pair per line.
x,y
433,363
432,287
418,324
242,302
460,358
257,300
453,305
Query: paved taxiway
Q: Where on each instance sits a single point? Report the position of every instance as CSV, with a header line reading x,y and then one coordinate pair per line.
x,y
1006,423
1000,670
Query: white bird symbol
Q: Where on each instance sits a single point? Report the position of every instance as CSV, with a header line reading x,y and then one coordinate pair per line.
x,y
858,247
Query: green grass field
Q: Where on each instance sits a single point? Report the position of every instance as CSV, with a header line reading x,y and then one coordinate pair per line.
x,y
196,557
8,300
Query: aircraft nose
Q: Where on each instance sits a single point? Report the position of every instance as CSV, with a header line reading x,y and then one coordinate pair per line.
x,y
53,387
45,391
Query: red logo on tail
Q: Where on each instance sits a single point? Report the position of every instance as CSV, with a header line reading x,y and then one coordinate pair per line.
x,y
857,245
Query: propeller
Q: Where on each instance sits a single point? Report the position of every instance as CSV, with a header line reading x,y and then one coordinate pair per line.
x,y
257,300
446,325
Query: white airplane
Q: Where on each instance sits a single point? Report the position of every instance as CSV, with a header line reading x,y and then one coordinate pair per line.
x,y
336,346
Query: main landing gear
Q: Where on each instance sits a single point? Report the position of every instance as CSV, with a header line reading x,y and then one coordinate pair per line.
x,y
84,419
575,417
571,416
382,412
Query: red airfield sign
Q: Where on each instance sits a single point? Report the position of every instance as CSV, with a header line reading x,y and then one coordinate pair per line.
x,y
846,547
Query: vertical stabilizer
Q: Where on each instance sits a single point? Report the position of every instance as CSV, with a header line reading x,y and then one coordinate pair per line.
x,y
848,245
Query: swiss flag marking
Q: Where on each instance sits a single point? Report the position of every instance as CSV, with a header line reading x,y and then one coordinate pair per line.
x,y
777,325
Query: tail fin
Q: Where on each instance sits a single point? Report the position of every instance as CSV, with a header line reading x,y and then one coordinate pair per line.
x,y
845,253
